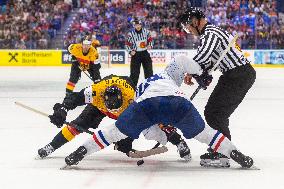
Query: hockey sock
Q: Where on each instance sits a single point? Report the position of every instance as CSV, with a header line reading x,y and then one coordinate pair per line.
x,y
155,133
103,138
67,134
216,140
70,86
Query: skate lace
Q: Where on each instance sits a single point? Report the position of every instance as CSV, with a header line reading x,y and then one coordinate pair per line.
x,y
182,147
48,148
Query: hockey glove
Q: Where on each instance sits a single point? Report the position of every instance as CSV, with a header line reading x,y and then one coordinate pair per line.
x,y
59,115
203,80
124,145
171,132
74,99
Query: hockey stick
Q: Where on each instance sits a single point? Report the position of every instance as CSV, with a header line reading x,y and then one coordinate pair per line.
x,y
85,73
217,63
155,150
31,109
195,92
146,153
47,115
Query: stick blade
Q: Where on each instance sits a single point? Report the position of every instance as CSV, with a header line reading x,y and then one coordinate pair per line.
x,y
146,153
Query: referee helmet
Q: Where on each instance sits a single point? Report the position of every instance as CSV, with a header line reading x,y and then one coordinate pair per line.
x,y
136,21
189,14
187,18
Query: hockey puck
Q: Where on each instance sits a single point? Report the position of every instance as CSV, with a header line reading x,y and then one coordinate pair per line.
x,y
140,162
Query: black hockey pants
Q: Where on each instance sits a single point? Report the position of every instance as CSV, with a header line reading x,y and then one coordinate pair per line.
x,y
75,74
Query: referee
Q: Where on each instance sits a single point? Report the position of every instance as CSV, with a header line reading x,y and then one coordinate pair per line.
x,y
237,76
138,42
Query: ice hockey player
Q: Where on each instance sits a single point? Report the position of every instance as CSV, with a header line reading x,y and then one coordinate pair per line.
x,y
85,57
237,76
160,100
108,97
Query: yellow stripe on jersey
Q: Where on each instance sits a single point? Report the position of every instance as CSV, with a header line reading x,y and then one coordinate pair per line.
x,y
70,87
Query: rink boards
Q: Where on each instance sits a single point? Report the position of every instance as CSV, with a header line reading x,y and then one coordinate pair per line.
x,y
259,58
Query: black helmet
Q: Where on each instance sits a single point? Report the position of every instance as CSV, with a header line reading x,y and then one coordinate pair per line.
x,y
190,13
136,21
113,98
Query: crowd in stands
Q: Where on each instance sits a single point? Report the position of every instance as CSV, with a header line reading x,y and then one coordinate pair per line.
x,y
256,22
112,21
30,24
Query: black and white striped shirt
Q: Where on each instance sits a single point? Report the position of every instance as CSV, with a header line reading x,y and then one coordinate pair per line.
x,y
214,41
138,40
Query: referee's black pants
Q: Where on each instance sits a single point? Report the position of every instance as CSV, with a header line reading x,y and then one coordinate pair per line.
x,y
227,95
135,64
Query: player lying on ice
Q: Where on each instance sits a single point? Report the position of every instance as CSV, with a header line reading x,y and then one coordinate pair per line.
x,y
108,97
160,100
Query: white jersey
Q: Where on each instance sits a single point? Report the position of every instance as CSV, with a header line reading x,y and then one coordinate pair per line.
x,y
158,85
168,82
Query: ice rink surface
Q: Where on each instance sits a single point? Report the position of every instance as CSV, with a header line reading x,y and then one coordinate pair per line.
x,y
257,129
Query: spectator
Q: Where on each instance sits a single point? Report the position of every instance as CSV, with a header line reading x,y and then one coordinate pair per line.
x,y
36,22
31,24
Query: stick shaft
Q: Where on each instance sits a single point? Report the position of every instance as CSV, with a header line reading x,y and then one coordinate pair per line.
x,y
217,63
85,73
195,92
31,109
225,52
46,115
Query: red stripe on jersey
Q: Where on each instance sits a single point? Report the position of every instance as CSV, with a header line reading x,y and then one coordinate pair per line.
x,y
110,115
98,142
83,60
219,143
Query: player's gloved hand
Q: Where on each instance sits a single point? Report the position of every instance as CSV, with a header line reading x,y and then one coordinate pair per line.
x,y
167,128
124,145
70,101
171,132
203,80
59,115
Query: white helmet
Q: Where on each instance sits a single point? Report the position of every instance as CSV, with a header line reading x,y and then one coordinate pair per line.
x,y
179,66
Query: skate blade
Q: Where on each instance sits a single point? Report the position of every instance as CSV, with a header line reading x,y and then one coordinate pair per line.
x,y
251,168
38,158
187,158
220,163
65,167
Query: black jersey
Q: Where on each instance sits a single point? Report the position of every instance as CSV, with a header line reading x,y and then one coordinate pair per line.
x,y
138,40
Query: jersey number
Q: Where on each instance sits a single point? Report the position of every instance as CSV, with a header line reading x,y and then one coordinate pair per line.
x,y
143,86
